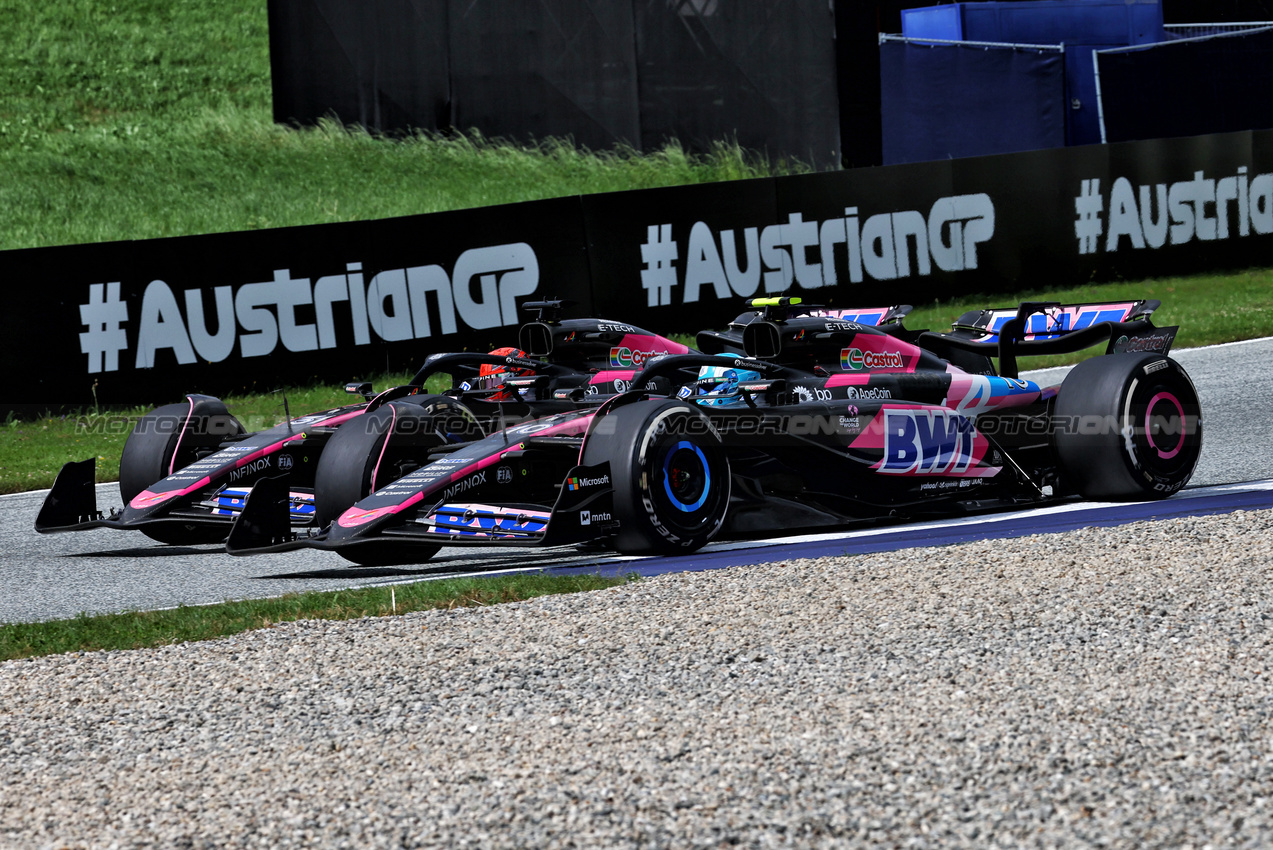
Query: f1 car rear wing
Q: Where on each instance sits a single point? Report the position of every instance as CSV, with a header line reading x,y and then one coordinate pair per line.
x,y
780,308
1052,320
1049,327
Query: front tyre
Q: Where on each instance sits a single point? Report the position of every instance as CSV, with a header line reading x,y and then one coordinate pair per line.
x,y
166,440
669,472
1127,427
380,447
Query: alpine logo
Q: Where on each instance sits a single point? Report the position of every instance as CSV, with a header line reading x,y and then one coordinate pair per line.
x,y
465,484
580,483
622,357
926,442
855,360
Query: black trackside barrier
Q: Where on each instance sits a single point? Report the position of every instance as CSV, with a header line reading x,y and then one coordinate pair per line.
x,y
1205,84
600,73
933,104
146,322
132,322
381,64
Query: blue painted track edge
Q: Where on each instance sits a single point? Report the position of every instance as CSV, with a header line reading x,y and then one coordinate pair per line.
x,y
1204,501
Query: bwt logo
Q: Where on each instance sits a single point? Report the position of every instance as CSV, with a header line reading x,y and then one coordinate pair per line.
x,y
812,253
1057,322
855,360
622,357
396,304
926,442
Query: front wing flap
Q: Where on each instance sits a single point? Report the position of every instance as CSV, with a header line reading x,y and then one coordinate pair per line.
x,y
71,505
583,511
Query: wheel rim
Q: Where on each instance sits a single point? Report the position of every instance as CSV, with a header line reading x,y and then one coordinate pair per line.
x,y
1164,415
687,476
1164,425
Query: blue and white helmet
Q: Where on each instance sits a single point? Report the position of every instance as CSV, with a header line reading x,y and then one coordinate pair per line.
x,y
718,385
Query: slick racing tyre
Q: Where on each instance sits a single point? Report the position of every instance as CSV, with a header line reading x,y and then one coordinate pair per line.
x,y
669,472
379,447
1127,427
170,438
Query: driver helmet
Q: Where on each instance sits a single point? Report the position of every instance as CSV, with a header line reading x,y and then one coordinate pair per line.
x,y
491,375
718,385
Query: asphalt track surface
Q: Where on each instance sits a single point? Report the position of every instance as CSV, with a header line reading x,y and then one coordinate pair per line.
x,y
45,577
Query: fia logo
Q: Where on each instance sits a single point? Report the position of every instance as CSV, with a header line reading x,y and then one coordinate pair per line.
x,y
284,461
504,475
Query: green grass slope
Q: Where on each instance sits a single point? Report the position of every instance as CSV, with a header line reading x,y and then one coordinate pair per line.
x,y
141,119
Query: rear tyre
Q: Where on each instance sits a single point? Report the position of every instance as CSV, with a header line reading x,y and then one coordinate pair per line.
x,y
669,473
1128,427
379,447
170,438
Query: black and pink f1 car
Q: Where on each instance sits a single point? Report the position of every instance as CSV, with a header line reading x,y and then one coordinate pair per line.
x,y
188,468
791,418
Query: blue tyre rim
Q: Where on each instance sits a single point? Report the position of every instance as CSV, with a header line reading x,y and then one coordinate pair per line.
x,y
687,476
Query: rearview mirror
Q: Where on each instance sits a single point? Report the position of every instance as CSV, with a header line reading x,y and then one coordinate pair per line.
x,y
536,339
762,340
